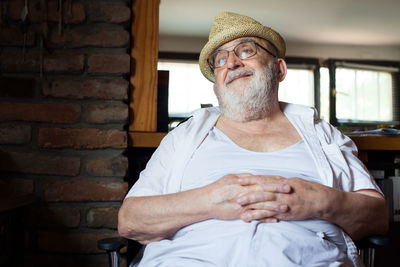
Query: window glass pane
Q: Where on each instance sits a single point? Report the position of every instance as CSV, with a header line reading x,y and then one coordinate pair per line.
x,y
298,87
363,95
324,93
187,88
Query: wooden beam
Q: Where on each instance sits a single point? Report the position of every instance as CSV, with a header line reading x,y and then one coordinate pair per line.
x,y
143,107
145,139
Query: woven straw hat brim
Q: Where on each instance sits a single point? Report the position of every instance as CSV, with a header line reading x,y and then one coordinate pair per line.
x,y
233,33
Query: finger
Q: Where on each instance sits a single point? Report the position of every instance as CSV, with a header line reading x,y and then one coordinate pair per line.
x,y
270,186
286,216
270,206
269,220
276,187
251,215
245,174
247,179
254,197
268,183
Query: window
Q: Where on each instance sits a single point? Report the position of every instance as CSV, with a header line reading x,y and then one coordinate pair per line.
x,y
354,94
298,87
188,88
364,94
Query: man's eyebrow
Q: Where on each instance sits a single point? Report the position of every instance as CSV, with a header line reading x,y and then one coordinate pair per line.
x,y
246,40
243,40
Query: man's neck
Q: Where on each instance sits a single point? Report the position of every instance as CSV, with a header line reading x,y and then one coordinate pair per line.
x,y
272,133
258,126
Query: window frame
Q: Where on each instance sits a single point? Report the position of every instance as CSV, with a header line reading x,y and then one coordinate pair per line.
x,y
315,64
372,65
311,64
178,57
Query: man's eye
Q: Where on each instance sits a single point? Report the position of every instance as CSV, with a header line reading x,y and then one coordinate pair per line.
x,y
244,53
219,61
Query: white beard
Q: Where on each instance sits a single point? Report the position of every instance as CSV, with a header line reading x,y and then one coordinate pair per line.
x,y
254,102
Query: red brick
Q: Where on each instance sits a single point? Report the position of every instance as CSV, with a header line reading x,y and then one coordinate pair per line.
x,y
84,191
109,63
16,86
103,217
55,217
13,36
64,63
87,88
107,112
37,163
92,35
44,112
72,242
107,166
81,138
11,60
15,134
76,15
16,186
109,13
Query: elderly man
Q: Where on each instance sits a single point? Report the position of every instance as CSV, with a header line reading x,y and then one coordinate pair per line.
x,y
254,182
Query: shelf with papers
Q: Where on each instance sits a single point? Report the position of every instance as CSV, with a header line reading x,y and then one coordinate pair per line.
x,y
366,142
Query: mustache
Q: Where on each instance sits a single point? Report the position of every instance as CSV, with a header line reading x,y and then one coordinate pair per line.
x,y
239,72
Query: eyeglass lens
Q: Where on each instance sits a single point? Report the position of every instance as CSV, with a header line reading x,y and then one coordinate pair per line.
x,y
242,50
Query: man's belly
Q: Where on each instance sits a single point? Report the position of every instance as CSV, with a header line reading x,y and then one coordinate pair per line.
x,y
226,228
236,243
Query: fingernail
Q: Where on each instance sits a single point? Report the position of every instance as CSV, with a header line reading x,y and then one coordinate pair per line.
x,y
283,208
241,200
286,188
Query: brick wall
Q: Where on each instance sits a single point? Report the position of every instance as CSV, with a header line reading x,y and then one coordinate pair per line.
x,y
62,135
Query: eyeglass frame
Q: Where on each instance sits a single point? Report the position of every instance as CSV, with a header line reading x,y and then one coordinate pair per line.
x,y
233,50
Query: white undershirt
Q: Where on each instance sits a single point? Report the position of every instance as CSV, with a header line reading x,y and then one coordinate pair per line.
x,y
218,155
236,243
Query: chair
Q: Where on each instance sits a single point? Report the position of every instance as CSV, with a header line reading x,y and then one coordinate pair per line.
x,y
137,160
138,157
366,248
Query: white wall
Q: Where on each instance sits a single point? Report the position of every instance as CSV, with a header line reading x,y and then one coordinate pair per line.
x,y
323,51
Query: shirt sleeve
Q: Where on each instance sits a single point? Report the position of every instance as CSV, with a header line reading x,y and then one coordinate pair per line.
x,y
362,179
359,176
153,179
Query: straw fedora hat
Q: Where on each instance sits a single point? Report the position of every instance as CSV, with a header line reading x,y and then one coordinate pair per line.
x,y
229,26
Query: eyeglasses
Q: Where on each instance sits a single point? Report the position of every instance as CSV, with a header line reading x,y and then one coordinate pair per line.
x,y
243,50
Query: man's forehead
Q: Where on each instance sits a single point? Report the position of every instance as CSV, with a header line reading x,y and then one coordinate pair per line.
x,y
239,40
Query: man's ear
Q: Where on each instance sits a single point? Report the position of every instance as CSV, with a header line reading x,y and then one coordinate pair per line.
x,y
282,69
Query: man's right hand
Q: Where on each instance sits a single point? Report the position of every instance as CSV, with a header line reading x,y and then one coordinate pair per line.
x,y
224,195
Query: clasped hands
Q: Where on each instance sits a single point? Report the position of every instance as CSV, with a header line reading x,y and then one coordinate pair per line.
x,y
267,198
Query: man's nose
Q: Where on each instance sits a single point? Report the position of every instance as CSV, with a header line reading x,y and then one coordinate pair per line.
x,y
234,61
